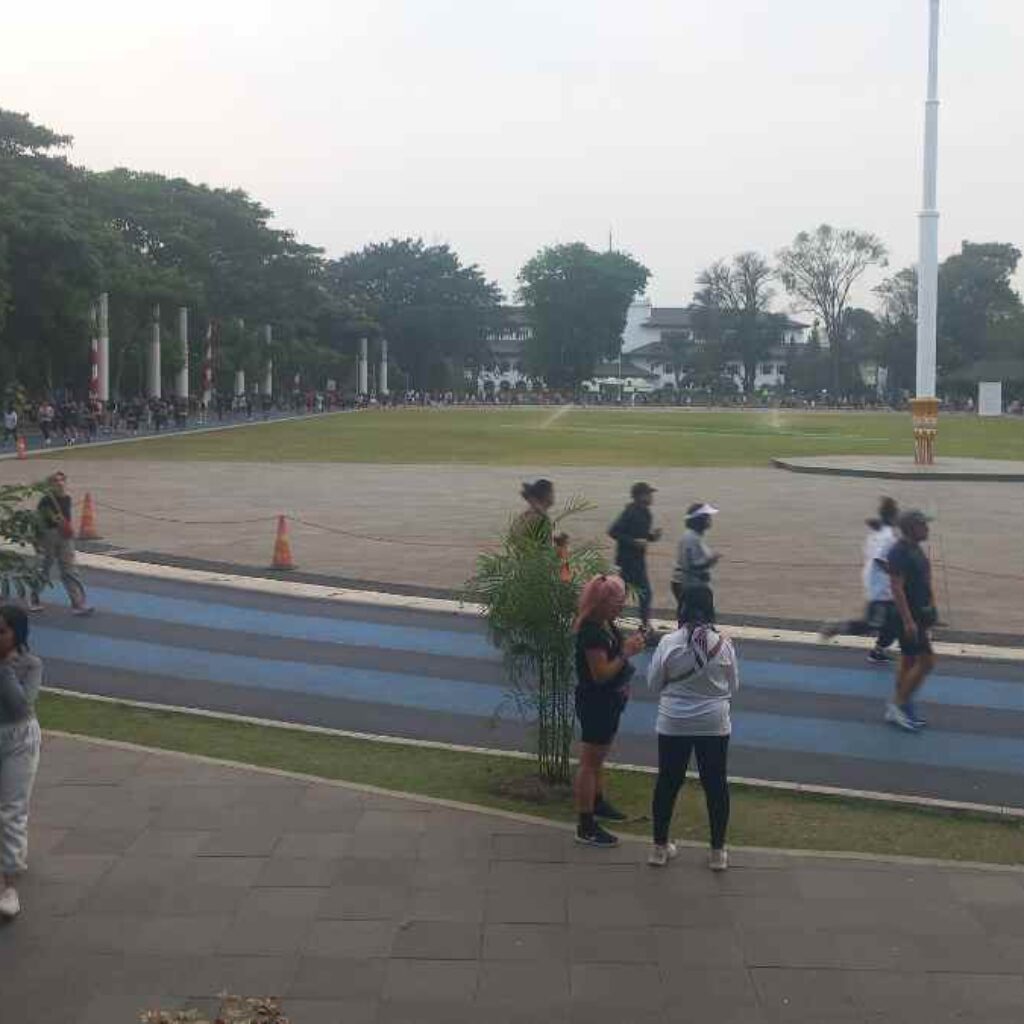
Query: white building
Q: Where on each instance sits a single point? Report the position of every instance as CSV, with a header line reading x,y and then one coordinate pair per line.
x,y
647,363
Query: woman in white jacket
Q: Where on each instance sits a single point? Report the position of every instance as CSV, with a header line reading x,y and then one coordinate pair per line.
x,y
695,672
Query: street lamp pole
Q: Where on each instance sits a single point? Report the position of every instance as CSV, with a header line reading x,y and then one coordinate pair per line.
x,y
925,407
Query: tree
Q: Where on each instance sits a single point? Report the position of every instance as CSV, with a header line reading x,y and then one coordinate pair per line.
x,y
577,300
897,333
980,314
433,310
732,306
819,269
529,607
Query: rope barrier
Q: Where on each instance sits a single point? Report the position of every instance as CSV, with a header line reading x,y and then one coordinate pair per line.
x,y
421,542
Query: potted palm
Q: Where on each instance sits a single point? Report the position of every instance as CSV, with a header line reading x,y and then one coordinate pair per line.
x,y
528,590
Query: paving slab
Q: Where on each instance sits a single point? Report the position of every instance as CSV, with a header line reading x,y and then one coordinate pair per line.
x,y
521,933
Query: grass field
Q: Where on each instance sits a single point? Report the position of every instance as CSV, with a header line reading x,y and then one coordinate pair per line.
x,y
577,437
759,817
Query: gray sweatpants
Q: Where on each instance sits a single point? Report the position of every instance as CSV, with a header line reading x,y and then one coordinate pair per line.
x,y
55,548
19,760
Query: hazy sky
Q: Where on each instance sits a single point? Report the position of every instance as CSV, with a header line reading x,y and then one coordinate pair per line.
x,y
693,128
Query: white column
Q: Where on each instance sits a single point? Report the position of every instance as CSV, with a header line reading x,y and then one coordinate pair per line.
x,y
104,348
362,384
383,388
154,356
928,237
181,385
268,372
239,382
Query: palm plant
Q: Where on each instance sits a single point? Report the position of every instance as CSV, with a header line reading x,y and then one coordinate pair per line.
x,y
529,590
19,525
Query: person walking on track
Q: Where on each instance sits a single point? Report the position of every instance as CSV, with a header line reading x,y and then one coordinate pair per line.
x,y
21,675
695,674
880,619
914,597
632,532
56,543
603,672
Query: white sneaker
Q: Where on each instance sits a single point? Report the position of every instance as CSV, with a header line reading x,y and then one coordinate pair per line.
x,y
36,607
83,611
661,855
895,715
10,905
719,860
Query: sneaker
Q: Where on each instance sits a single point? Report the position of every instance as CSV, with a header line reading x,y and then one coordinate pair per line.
x,y
910,710
877,656
86,609
603,809
10,905
718,860
599,837
661,855
827,630
895,715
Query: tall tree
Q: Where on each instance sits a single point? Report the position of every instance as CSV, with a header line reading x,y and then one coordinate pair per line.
x,y
433,309
732,306
980,313
577,300
819,269
897,335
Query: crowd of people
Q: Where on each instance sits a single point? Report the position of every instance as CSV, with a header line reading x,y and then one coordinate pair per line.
x,y
694,669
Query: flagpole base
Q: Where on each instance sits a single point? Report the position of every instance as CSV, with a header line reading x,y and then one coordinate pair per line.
x,y
925,417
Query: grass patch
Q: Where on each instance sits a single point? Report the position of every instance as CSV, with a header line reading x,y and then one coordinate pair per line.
x,y
592,437
759,817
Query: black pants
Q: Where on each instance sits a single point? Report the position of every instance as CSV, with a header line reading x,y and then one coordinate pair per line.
x,y
712,764
636,577
881,618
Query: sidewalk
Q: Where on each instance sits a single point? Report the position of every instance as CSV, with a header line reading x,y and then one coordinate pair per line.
x,y
161,879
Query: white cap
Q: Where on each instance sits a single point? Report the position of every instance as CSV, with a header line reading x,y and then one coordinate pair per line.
x,y
702,510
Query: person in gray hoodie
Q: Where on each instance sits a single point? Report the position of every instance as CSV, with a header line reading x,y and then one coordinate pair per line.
x,y
21,675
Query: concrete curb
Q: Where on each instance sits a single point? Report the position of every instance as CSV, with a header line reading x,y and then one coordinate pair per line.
x,y
447,606
810,789
527,819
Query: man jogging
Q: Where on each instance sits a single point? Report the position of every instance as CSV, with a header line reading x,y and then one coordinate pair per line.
x,y
911,575
881,619
632,532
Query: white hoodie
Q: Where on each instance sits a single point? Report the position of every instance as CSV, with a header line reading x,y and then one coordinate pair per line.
x,y
696,677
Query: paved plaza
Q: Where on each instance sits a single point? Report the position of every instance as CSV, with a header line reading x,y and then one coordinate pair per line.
x,y
161,879
790,543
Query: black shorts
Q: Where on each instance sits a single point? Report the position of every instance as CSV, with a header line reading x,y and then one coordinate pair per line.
x,y
921,643
599,711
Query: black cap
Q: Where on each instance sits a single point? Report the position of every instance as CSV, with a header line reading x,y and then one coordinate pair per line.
x,y
638,490
913,517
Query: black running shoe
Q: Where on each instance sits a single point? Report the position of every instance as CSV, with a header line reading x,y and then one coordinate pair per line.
x,y
599,837
603,809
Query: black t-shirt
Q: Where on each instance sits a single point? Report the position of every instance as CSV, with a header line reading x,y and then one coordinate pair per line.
x,y
911,563
591,636
634,523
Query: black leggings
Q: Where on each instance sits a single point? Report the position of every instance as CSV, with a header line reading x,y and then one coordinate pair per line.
x,y
712,764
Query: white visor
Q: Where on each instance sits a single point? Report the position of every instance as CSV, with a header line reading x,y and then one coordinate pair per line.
x,y
704,510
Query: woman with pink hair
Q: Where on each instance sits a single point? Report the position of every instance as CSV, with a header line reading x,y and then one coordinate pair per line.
x,y
603,672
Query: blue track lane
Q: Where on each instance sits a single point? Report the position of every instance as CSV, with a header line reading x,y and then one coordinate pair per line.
x,y
813,714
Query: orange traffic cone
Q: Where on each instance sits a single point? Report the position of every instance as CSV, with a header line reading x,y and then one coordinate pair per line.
x,y
87,524
282,547
22,448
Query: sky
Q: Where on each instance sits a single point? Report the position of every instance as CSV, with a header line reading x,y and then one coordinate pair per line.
x,y
690,129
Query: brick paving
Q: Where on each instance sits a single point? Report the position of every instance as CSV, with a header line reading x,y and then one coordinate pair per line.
x,y
162,880
791,543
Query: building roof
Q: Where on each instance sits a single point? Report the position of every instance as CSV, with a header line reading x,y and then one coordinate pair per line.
x,y
669,317
627,369
652,350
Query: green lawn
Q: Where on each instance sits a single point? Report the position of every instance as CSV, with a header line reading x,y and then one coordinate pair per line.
x,y
576,437
759,817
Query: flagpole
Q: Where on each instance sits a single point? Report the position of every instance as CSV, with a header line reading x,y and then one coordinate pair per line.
x,y
925,406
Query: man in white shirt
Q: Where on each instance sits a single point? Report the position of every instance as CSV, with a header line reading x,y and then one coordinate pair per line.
x,y
10,425
880,617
